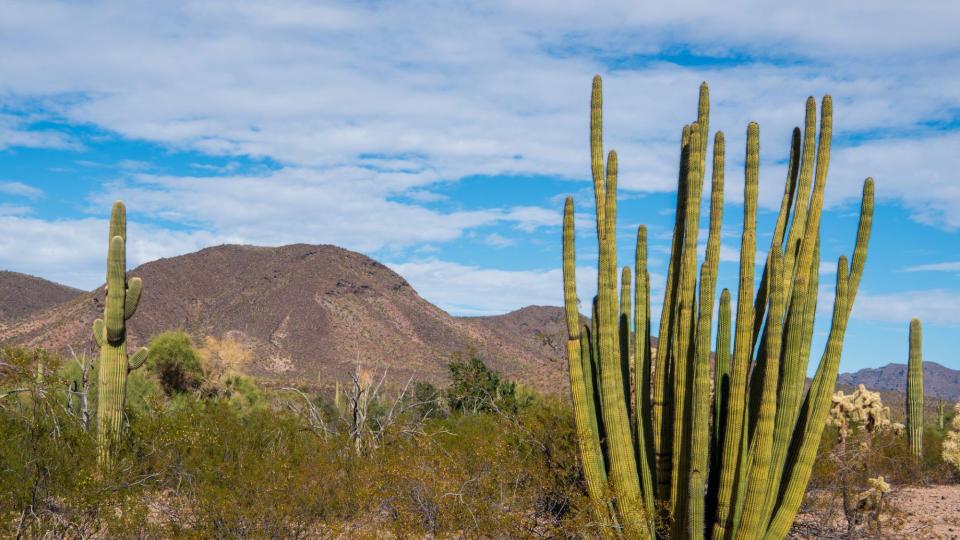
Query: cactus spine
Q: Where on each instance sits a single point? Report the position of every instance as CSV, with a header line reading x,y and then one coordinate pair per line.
x,y
110,334
915,390
661,457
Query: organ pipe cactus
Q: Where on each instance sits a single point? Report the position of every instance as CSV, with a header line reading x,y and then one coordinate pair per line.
x,y
666,451
915,390
110,334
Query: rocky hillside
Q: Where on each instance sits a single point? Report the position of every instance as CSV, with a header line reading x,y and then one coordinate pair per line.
x,y
938,381
309,313
22,295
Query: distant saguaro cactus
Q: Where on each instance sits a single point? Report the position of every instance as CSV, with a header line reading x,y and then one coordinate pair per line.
x,y
644,427
110,334
941,413
915,389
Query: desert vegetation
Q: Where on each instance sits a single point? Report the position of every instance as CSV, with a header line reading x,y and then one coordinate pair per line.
x,y
699,434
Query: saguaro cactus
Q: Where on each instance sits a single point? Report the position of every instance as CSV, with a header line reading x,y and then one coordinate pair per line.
x,y
653,464
915,390
110,334
941,413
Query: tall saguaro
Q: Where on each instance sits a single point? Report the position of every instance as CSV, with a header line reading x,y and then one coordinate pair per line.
x,y
110,334
915,390
663,455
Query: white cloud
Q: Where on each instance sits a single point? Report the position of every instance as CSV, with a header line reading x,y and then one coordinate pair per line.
x,y
73,252
470,290
935,306
433,92
21,190
498,240
949,266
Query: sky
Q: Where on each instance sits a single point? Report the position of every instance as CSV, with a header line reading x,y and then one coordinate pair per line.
x,y
441,138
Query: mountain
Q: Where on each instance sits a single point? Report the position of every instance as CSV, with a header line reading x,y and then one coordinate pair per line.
x,y
22,295
309,313
938,381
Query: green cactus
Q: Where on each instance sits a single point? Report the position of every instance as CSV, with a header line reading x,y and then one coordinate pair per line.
x,y
110,334
941,413
661,456
915,390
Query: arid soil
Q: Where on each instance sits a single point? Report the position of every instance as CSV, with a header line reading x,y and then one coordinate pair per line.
x,y
931,512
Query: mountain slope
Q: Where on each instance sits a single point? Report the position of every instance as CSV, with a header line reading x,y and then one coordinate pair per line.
x,y
307,312
22,295
938,381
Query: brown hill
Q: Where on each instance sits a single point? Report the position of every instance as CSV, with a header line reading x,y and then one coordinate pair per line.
x,y
938,381
22,295
308,313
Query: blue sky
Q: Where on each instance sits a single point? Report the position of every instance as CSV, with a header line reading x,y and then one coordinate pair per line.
x,y
441,138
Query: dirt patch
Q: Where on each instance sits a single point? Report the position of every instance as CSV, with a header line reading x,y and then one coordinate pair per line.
x,y
931,512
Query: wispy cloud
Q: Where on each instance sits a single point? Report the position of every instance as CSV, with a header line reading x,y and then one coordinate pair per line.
x,y
936,306
470,290
949,266
21,190
437,92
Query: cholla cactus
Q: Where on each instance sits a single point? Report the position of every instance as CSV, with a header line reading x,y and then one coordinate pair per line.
x,y
872,499
951,444
862,409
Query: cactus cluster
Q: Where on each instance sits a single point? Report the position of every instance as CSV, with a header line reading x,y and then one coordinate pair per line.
x,y
861,409
915,390
110,334
665,453
951,443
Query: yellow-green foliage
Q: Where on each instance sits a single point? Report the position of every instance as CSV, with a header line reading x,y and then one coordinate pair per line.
x,y
951,444
200,467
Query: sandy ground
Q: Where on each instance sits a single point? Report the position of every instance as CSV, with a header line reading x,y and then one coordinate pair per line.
x,y
931,512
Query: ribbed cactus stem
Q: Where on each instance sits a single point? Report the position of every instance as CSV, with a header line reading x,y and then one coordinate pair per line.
x,y
732,469
662,391
110,333
681,346
700,400
941,413
915,390
644,425
761,445
734,464
581,387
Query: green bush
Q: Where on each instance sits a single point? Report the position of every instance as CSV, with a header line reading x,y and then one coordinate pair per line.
x,y
475,388
175,362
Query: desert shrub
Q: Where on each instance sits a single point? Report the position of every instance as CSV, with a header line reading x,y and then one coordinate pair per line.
x,y
428,401
220,360
951,442
49,485
475,388
175,362
198,466
144,390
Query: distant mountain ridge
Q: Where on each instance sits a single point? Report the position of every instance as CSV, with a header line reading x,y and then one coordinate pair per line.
x,y
22,295
938,381
309,312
